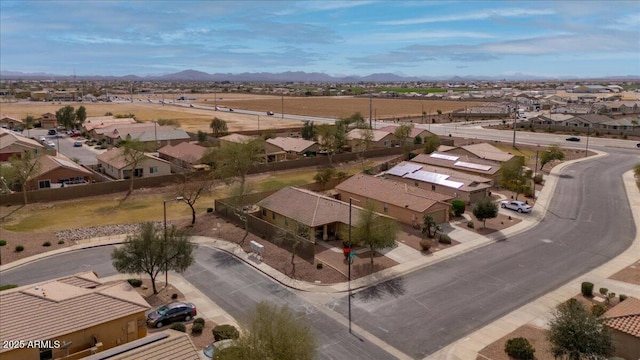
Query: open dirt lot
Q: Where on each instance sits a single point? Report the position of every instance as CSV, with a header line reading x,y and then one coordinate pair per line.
x,y
194,119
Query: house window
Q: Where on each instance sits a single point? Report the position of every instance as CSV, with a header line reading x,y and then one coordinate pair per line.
x,y
433,188
44,184
153,170
416,183
126,174
273,215
385,208
264,212
138,173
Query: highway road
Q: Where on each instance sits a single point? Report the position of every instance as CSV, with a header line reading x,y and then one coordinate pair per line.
x,y
588,222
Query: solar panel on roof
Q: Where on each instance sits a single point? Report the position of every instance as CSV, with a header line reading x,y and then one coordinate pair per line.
x,y
472,166
401,170
444,157
434,178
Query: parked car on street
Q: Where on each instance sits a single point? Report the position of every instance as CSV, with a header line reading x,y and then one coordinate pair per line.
x,y
573,138
175,311
77,144
51,144
270,113
43,139
518,206
638,145
52,132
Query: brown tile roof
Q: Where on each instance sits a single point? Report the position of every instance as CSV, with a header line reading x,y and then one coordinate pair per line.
x,y
290,144
49,163
57,307
185,151
309,208
451,164
114,158
414,131
356,134
87,280
165,345
488,152
625,317
8,138
392,192
237,138
121,129
99,122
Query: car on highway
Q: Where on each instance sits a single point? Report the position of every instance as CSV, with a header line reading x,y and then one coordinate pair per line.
x,y
270,113
638,145
175,311
77,144
573,138
51,144
190,105
230,109
518,206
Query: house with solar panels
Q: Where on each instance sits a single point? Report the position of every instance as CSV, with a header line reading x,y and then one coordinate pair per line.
x,y
462,163
457,184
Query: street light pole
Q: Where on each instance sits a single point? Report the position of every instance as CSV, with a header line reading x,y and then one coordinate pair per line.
x,y
349,260
282,104
586,149
166,258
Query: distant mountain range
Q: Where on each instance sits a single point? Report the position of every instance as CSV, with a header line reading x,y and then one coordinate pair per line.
x,y
291,76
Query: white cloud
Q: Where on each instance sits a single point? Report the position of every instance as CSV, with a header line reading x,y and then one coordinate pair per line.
x,y
481,15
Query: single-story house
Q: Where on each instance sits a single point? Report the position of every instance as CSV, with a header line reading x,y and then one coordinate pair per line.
x,y
463,163
406,203
61,321
623,322
321,215
57,172
14,144
99,122
270,152
172,344
459,185
112,163
47,121
11,122
379,139
550,119
184,155
415,132
483,151
298,146
153,136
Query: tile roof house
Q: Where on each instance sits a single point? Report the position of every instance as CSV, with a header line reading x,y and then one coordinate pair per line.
x,y
406,203
295,145
270,152
623,321
79,312
423,133
147,133
11,122
166,345
466,187
113,164
380,139
99,122
312,210
184,155
463,163
47,121
59,171
483,151
14,144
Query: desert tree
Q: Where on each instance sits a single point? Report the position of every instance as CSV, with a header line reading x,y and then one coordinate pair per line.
x,y
514,176
309,130
323,176
66,116
149,251
374,231
575,333
218,127
23,169
366,138
81,115
291,238
191,188
356,120
431,144
132,153
273,332
552,153
485,209
429,223
403,134
329,140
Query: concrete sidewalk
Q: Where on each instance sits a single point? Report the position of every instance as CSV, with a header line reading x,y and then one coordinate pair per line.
x,y
411,260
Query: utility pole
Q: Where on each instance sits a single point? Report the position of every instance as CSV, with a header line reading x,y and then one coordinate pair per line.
x,y
370,109
514,126
282,104
586,149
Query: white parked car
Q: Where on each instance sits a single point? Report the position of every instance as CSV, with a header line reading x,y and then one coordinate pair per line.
x,y
518,206
51,144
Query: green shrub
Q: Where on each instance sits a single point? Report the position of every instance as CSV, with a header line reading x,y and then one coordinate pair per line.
x,y
458,207
199,321
8,286
60,242
622,297
197,328
587,289
425,244
19,248
519,348
444,239
3,242
135,282
319,265
46,243
179,326
604,291
470,224
174,296
223,332
598,310
538,179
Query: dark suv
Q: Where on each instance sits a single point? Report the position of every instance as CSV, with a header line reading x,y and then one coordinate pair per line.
x,y
175,311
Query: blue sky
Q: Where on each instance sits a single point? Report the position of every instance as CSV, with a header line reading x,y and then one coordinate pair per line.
x,y
422,38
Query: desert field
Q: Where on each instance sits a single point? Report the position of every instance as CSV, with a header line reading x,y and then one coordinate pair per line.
x,y
194,119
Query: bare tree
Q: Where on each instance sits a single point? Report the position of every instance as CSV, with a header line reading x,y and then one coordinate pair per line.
x,y
24,167
403,133
191,188
132,154
291,238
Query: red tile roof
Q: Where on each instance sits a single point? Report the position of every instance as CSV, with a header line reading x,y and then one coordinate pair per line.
x,y
625,317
